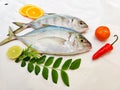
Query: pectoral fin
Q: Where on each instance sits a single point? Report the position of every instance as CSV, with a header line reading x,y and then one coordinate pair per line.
x,y
58,40
45,25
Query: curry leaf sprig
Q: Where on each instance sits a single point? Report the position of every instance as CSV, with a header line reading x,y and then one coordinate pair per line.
x,y
41,63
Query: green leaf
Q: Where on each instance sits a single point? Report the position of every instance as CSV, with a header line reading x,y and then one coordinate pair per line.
x,y
49,61
66,64
17,60
26,58
45,73
37,69
23,64
29,52
75,64
65,78
57,62
41,59
33,60
54,76
30,67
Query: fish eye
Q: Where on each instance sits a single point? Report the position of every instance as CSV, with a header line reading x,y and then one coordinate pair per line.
x,y
72,20
82,40
81,22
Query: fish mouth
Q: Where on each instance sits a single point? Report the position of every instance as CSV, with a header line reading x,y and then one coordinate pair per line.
x,y
85,27
89,45
84,30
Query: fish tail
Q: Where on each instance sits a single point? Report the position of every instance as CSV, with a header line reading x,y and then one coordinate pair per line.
x,y
20,29
18,24
11,37
22,26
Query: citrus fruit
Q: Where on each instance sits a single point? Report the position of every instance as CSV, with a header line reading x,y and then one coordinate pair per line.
x,y
34,12
102,33
31,11
23,9
14,52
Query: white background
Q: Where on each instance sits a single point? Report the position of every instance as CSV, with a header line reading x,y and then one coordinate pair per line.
x,y
102,74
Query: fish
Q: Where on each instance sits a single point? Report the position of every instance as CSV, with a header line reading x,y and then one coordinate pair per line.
x,y
53,40
56,20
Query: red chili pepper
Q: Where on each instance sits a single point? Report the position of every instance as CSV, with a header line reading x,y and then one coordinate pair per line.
x,y
106,48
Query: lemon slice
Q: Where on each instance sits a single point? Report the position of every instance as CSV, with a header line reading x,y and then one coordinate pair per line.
x,y
14,52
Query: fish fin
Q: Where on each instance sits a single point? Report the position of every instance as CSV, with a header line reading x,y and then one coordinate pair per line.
x,y
11,32
22,26
62,17
11,37
59,40
19,30
44,25
50,13
18,24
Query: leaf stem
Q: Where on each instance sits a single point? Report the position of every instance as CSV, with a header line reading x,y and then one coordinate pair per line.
x,y
50,67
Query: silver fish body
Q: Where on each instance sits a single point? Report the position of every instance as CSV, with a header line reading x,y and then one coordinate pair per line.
x,y
60,20
56,41
56,20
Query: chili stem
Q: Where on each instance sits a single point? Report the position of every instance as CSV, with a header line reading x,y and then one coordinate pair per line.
x,y
115,39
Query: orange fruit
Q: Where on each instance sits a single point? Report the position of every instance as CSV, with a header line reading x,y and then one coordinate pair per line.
x,y
34,12
31,11
23,9
102,33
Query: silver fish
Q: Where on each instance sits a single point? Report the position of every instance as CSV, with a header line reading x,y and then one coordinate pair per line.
x,y
56,20
53,40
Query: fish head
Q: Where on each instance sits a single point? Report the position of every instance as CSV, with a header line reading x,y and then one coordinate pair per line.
x,y
81,26
83,44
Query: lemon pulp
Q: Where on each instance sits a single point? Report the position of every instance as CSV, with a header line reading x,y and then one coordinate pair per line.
x,y
14,52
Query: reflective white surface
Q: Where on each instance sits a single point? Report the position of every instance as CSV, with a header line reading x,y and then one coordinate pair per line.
x,y
102,74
